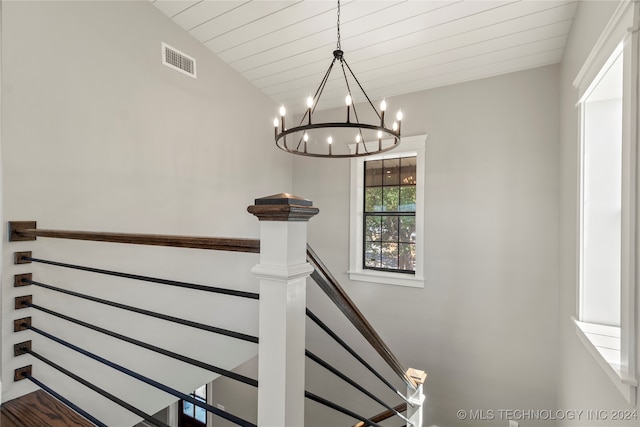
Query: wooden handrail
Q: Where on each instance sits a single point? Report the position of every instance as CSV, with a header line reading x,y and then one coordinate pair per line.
x,y
341,299
384,415
27,230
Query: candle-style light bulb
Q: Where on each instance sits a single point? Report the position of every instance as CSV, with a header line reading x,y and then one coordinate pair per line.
x,y
309,102
275,125
275,122
399,118
347,100
330,141
305,137
383,107
379,140
395,126
358,138
282,113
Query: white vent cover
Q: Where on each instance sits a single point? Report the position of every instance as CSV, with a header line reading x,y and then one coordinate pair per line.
x,y
177,60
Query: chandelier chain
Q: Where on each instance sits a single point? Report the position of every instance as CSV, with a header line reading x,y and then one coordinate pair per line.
x,y
338,27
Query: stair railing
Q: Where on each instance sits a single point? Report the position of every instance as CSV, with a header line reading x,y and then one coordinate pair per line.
x,y
285,261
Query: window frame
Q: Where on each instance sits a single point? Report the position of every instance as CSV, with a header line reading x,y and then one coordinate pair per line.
x,y
618,32
410,146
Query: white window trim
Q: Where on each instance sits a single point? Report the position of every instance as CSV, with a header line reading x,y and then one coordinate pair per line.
x,y
622,369
410,146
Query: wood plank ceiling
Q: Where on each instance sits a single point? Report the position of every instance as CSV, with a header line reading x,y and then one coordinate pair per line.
x,y
394,47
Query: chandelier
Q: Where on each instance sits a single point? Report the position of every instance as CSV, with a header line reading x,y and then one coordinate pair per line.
x,y
319,139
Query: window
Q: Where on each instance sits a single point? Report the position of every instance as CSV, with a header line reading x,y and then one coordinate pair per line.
x,y
191,415
607,86
390,214
387,211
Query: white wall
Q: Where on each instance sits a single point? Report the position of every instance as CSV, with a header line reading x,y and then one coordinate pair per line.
x,y
582,384
484,326
98,135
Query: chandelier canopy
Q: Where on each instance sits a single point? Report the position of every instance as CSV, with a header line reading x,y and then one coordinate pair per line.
x,y
351,138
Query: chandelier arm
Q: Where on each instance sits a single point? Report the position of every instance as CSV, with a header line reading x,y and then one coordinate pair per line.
x,y
361,88
316,98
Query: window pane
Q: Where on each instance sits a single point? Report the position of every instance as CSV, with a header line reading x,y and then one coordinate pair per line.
x,y
391,197
201,415
390,255
372,254
373,200
391,172
373,231
407,199
407,230
373,173
408,170
390,228
407,256
187,408
202,392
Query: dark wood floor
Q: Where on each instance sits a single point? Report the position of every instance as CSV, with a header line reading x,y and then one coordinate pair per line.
x,y
39,409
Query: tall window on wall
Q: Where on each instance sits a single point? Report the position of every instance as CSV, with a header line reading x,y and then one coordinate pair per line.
x,y
387,216
608,102
390,214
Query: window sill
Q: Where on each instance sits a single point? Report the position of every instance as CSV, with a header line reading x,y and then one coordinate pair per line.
x,y
603,342
398,279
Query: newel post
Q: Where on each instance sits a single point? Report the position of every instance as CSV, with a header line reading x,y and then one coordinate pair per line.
x,y
283,270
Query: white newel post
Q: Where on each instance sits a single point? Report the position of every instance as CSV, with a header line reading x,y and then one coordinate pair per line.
x,y
416,397
283,270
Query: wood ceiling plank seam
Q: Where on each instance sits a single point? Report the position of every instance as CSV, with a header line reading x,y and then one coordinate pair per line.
x,y
260,60
540,16
328,32
171,8
358,54
258,19
539,33
212,11
222,45
236,17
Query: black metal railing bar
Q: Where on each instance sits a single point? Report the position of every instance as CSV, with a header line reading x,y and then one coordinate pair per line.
x,y
169,390
97,389
221,331
159,350
223,291
353,353
323,277
64,400
351,382
339,408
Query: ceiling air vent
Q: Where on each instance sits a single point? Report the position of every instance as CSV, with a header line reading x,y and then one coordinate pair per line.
x,y
177,60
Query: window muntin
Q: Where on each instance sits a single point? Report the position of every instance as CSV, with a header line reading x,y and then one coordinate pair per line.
x,y
390,215
195,412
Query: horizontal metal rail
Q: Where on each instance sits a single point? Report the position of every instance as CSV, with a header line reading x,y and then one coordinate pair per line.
x,y
231,292
64,400
221,331
27,230
323,277
182,358
169,390
98,390
335,406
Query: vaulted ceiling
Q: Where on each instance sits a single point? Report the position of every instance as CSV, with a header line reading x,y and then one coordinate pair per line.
x,y
394,47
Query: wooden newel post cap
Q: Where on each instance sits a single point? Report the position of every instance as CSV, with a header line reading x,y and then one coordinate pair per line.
x,y
283,207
